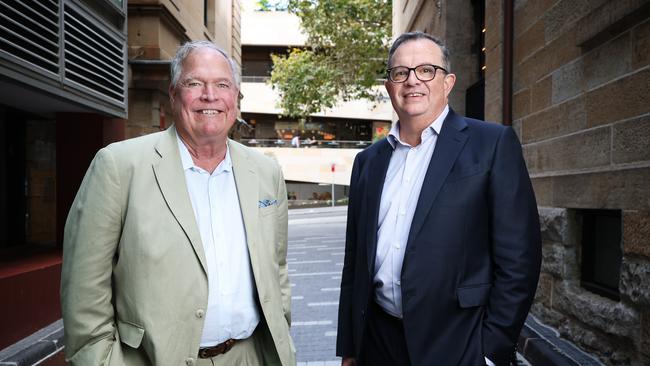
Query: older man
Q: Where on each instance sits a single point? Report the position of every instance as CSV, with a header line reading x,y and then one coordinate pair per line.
x,y
443,245
175,246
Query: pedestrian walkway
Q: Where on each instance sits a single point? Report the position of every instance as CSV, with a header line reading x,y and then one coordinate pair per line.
x,y
315,258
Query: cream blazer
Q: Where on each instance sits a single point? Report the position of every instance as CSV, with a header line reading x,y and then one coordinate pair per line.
x,y
134,287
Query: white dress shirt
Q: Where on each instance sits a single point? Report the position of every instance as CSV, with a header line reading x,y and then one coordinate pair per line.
x,y
232,311
406,170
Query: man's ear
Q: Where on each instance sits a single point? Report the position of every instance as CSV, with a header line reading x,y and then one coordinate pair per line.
x,y
449,81
388,85
172,94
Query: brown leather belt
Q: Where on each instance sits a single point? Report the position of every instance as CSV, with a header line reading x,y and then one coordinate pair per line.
x,y
221,348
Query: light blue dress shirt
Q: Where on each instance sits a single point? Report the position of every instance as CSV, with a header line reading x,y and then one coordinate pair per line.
x,y
404,177
232,311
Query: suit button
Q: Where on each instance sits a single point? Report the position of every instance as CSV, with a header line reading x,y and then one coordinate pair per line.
x,y
199,313
363,313
189,361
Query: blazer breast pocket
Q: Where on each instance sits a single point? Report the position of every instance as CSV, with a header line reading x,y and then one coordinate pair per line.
x,y
268,210
463,172
267,206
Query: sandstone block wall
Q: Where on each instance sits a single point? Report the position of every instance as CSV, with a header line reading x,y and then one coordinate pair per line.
x,y
581,107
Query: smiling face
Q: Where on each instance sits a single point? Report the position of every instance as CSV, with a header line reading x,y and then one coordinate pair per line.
x,y
204,99
419,102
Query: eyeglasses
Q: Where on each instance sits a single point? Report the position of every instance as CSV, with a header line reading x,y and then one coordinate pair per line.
x,y
400,74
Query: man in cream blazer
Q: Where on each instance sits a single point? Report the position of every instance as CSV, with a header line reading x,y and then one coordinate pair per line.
x,y
137,285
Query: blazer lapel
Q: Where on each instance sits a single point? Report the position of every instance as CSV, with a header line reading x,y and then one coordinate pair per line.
x,y
450,142
168,170
246,181
377,169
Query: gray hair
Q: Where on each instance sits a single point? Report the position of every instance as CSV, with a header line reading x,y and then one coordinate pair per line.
x,y
413,36
187,48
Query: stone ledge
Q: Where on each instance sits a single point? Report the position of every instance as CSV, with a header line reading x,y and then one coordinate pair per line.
x,y
609,316
542,345
35,348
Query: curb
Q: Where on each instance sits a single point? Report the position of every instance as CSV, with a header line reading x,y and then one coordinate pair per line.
x,y
540,344
35,348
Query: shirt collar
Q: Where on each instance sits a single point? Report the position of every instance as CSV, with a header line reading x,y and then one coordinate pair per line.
x,y
188,163
434,127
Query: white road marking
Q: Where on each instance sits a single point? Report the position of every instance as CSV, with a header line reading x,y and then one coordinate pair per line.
x,y
312,322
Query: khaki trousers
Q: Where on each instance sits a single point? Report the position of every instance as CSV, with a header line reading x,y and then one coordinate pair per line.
x,y
245,353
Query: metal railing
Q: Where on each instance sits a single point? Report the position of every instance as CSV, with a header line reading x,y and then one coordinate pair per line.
x,y
255,79
321,144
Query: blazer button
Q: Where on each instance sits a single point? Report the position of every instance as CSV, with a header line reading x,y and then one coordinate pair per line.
x,y
189,361
363,313
199,313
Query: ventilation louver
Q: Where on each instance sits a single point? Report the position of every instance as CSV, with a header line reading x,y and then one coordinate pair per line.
x,y
29,30
94,58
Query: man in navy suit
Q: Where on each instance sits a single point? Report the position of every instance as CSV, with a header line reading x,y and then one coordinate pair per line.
x,y
443,247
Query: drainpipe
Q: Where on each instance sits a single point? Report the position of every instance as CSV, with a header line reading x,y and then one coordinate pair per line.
x,y
508,7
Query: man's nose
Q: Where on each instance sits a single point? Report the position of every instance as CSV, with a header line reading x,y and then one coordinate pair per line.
x,y
411,78
209,92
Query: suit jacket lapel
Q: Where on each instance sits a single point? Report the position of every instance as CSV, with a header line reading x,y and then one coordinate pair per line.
x,y
378,166
247,182
450,142
168,170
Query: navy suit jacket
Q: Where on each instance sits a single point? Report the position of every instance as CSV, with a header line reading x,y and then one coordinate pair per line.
x,y
473,254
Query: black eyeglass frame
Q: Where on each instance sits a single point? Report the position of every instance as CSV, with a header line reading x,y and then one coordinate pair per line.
x,y
435,70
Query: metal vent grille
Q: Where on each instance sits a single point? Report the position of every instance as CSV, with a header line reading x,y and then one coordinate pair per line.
x,y
94,58
29,30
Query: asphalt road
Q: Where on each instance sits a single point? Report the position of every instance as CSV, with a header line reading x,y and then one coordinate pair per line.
x,y
315,258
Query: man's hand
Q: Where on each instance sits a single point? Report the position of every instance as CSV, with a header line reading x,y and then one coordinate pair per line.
x,y
348,361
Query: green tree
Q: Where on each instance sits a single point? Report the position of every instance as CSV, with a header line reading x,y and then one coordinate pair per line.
x,y
345,55
268,5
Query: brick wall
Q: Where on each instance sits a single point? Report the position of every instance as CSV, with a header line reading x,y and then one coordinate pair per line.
x,y
581,107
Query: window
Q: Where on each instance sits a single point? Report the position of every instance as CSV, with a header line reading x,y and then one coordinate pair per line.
x,y
27,182
601,251
208,15
475,94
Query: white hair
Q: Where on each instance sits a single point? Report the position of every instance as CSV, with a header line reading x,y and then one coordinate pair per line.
x,y
187,48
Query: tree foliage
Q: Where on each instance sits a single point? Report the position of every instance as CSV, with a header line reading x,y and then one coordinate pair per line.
x,y
270,5
346,50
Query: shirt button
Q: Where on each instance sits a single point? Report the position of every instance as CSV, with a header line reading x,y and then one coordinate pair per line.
x,y
189,361
199,313
398,283
397,246
402,212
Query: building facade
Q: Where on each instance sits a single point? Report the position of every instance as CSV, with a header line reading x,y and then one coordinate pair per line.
x,y
325,145
572,78
75,77
63,77
156,29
